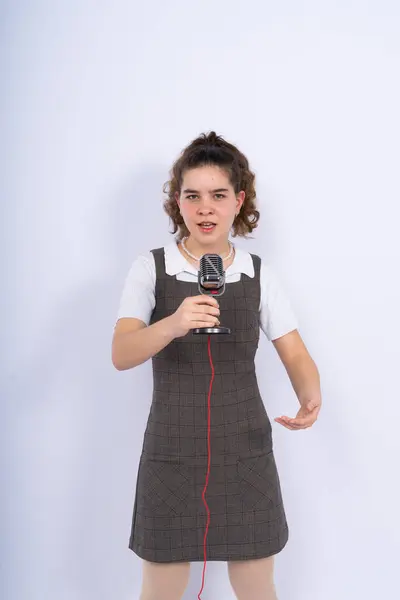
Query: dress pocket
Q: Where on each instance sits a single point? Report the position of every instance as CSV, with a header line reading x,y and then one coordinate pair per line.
x,y
259,485
164,489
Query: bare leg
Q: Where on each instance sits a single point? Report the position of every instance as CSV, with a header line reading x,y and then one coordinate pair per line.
x,y
164,581
253,579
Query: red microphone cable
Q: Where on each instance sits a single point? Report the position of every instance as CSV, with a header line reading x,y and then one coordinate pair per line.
x,y
208,464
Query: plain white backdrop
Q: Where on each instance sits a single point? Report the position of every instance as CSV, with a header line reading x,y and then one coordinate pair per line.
x,y
98,98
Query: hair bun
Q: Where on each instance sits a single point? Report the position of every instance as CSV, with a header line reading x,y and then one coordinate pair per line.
x,y
213,138
217,140
209,139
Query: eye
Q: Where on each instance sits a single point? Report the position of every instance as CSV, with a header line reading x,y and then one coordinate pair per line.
x,y
191,196
219,196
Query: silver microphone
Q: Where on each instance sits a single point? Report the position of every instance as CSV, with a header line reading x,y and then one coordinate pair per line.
x,y
211,277
211,282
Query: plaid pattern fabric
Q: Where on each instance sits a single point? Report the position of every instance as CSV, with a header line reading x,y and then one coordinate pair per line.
x,y
247,517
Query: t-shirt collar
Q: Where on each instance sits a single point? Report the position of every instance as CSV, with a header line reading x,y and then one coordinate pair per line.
x,y
176,263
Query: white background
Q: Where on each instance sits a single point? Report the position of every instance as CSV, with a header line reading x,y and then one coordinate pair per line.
x,y
98,98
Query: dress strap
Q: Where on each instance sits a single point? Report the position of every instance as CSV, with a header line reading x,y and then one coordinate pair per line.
x,y
159,259
257,266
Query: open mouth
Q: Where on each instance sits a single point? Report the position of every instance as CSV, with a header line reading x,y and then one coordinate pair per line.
x,y
206,226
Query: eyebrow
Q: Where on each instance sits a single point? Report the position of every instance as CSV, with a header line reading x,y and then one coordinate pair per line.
x,y
188,191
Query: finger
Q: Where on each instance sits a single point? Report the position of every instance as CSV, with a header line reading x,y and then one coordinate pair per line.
x,y
201,312
291,422
302,423
213,310
201,324
205,317
203,299
282,422
212,322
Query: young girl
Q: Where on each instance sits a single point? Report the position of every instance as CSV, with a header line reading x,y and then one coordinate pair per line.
x,y
230,457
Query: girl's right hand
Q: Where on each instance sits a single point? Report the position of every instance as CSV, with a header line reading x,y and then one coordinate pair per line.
x,y
195,311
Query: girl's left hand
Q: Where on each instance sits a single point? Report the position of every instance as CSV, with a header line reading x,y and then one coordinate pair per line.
x,y
306,416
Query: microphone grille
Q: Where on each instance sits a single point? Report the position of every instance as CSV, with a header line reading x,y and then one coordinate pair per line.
x,y
211,264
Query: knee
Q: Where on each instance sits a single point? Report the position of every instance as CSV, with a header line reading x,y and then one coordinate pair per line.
x,y
253,579
164,580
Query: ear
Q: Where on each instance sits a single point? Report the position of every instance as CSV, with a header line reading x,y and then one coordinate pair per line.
x,y
239,200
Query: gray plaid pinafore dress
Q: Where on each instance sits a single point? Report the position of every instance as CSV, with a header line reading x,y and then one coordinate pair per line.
x,y
247,516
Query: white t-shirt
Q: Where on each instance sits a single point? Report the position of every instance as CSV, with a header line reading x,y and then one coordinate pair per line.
x,y
138,297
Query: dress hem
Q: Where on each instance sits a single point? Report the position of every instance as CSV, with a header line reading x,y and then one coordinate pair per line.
x,y
145,555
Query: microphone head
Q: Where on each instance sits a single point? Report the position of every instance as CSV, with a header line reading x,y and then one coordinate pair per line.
x,y
211,277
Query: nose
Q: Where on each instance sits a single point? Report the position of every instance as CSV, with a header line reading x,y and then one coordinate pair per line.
x,y
205,211
205,208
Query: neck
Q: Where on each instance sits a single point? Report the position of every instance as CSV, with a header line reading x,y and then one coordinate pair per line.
x,y
221,247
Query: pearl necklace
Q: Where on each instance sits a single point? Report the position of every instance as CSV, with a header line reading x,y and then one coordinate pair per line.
x,y
198,259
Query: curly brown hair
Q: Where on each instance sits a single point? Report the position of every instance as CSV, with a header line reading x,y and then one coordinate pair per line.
x,y
212,149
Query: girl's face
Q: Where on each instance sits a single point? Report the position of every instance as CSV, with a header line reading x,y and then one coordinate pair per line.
x,y
208,204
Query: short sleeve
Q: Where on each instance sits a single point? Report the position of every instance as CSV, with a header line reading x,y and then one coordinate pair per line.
x,y
277,317
138,294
